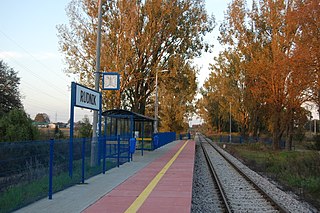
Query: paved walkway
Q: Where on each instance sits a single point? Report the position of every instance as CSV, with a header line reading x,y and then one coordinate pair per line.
x,y
165,185
79,197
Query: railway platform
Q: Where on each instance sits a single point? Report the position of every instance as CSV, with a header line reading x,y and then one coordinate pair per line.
x,y
159,181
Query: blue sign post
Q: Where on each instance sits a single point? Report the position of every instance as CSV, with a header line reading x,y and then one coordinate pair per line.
x,y
83,97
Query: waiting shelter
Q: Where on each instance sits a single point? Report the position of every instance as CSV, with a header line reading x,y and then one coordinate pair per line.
x,y
126,124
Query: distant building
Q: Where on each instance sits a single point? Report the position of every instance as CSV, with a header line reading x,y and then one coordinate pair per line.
x,y
61,125
40,124
52,125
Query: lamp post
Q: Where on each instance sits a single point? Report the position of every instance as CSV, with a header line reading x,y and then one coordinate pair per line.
x,y
156,104
94,146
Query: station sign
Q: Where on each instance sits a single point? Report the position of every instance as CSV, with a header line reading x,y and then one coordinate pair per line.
x,y
87,98
110,81
84,97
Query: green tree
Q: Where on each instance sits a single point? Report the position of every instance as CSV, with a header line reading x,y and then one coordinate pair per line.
x,y
85,128
9,87
17,126
58,134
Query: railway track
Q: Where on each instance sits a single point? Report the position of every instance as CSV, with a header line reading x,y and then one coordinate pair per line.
x,y
237,191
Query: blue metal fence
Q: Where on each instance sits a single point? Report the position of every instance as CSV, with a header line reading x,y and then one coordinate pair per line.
x,y
163,138
22,163
185,136
47,164
117,149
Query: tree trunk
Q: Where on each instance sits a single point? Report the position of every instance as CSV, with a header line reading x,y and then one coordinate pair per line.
x,y
318,103
276,128
244,131
290,131
256,127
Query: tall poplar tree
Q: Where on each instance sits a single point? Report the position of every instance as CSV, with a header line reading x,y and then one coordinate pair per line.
x,y
263,66
177,93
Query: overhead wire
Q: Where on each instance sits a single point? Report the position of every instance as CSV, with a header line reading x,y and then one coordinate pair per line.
x,y
35,103
45,66
36,75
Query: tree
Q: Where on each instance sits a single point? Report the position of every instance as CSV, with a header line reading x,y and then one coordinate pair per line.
x,y
85,128
213,105
139,38
309,20
283,79
9,87
42,118
58,134
177,92
268,67
17,126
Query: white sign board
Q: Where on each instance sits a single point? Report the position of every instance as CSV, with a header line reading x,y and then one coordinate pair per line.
x,y
110,81
87,98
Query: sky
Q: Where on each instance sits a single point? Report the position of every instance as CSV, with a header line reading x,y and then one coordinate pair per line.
x,y
29,45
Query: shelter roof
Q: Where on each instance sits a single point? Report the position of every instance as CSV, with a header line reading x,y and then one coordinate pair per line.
x,y
125,114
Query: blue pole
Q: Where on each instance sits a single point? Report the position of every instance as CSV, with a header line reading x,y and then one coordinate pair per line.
x,y
100,115
73,96
142,137
99,150
50,168
129,150
83,157
104,154
111,127
118,158
105,126
131,135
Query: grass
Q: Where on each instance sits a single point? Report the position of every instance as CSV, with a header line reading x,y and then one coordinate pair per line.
x,y
298,171
23,194
20,195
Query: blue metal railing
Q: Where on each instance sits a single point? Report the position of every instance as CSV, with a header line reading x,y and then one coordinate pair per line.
x,y
22,163
162,138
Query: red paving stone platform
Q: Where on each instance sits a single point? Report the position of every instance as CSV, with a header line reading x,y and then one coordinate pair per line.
x,y
172,193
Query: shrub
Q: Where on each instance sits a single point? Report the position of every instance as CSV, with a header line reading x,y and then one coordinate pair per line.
x,y
17,126
316,138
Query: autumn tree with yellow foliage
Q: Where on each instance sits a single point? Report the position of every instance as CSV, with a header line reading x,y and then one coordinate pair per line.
x,y
264,70
139,38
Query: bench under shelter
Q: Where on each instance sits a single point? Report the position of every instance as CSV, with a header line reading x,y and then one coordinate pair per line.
x,y
120,124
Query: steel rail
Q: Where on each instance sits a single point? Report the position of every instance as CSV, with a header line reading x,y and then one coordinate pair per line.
x,y
215,177
274,203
